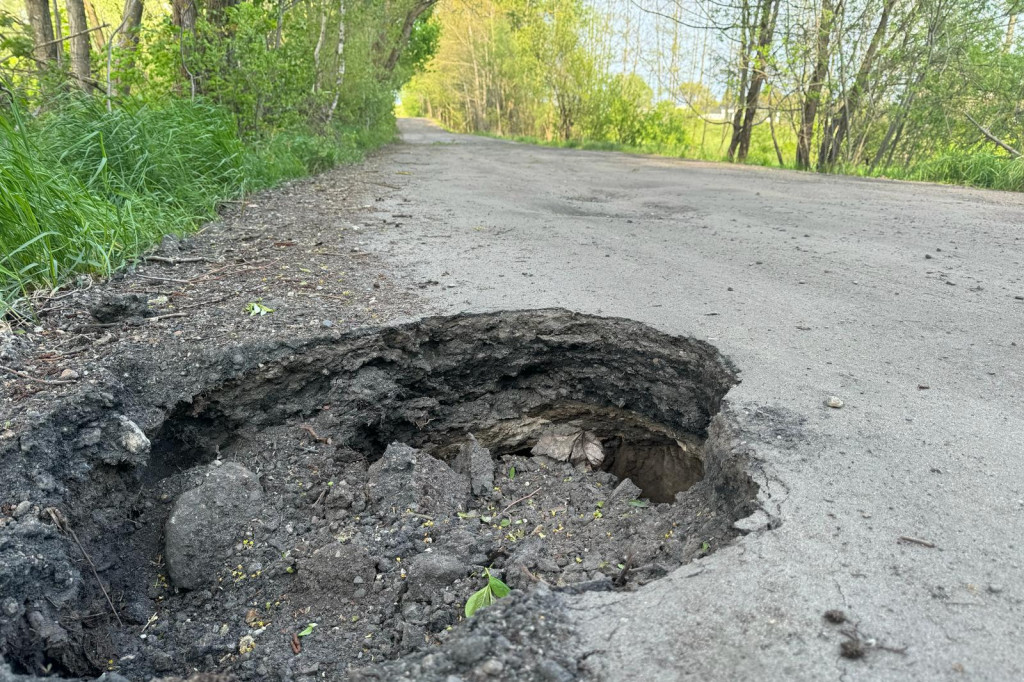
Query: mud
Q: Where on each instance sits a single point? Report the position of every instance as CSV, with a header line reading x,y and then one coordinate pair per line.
x,y
319,508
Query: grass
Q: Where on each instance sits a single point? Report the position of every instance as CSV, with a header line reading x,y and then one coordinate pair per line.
x,y
982,169
704,145
84,190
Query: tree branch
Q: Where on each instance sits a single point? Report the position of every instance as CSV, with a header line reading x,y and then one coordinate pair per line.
x,y
993,139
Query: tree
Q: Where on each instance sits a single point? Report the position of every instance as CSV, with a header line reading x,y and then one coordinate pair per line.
x,y
812,97
45,51
78,38
757,23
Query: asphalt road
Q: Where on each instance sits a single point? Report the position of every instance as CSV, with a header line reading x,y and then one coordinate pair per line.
x,y
815,286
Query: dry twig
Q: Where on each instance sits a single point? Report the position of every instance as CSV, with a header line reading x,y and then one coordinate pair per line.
x,y
62,524
526,497
23,375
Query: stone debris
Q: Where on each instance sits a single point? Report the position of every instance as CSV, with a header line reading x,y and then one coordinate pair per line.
x,y
206,521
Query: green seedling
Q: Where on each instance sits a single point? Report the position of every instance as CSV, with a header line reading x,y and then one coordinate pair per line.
x,y
511,473
255,308
308,630
638,503
494,590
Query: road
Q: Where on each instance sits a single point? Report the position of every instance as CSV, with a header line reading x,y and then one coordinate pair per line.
x,y
903,299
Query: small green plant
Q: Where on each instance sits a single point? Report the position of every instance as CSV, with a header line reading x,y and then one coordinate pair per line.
x,y
494,590
511,473
308,630
256,308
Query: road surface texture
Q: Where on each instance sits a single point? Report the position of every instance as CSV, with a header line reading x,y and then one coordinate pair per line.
x,y
902,299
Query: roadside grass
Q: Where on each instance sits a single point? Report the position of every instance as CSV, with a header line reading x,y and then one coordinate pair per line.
x,y
84,190
981,169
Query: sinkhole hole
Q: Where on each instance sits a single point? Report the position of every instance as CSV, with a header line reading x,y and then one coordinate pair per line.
x,y
363,482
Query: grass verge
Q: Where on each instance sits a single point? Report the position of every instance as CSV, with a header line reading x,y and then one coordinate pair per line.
x,y
84,190
981,169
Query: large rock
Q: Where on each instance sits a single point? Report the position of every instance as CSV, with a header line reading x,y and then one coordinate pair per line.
x,y
475,461
405,477
338,570
207,521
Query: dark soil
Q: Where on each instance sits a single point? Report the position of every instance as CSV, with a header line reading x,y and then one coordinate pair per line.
x,y
272,497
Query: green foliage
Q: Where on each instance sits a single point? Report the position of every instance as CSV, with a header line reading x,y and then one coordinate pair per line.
x,y
494,590
88,203
256,93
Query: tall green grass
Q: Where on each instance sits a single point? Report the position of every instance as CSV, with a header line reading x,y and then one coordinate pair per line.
x,y
85,190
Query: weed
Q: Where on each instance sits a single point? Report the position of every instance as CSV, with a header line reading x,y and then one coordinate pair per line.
x,y
494,590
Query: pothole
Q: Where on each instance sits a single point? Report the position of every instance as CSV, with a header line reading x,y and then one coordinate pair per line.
x,y
336,505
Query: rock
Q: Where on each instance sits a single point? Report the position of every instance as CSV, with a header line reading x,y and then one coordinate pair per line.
x,y
405,476
132,439
492,667
10,607
834,402
337,570
170,246
22,510
116,307
626,490
475,462
528,554
759,520
206,521
429,571
162,661
69,375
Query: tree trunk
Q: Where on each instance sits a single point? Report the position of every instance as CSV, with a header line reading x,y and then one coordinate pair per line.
x,y
1011,25
99,40
417,10
835,135
316,51
127,42
813,97
58,32
184,14
340,79
740,145
215,11
79,44
45,50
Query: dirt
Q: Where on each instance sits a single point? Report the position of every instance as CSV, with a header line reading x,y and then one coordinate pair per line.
x,y
266,497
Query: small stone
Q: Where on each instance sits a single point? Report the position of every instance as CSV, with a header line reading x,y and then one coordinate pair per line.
x,y
69,375
45,481
327,324
132,439
995,588
834,402
492,667
159,300
9,607
22,509
927,256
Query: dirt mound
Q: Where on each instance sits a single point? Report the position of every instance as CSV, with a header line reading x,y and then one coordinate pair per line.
x,y
331,504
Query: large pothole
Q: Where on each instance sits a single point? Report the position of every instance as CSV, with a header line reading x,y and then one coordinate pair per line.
x,y
362,483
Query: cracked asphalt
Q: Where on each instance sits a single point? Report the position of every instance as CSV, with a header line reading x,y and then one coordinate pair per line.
x,y
905,300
